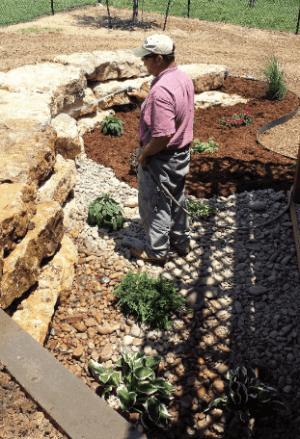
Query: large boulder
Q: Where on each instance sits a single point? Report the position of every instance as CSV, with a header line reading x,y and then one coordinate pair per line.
x,y
205,77
68,143
210,99
55,278
64,84
17,207
62,181
24,111
87,105
22,267
103,89
101,65
26,156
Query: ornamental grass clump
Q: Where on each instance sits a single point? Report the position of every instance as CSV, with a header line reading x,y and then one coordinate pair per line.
x,y
277,89
149,300
248,397
106,213
113,125
137,388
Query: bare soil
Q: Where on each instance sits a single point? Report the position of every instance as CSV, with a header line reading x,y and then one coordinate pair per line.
x,y
243,50
240,163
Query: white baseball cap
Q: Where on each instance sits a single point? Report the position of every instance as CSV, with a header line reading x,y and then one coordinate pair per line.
x,y
158,44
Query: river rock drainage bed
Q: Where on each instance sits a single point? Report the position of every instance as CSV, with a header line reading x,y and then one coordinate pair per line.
x,y
242,285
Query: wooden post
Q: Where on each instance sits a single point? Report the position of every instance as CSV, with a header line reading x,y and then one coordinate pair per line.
x,y
298,22
189,3
296,189
52,7
167,14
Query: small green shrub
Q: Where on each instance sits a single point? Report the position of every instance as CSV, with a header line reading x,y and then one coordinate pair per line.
x,y
113,125
138,390
150,301
277,89
198,147
248,397
106,213
200,209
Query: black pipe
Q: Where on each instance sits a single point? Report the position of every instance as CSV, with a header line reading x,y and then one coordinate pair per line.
x,y
52,7
298,22
167,14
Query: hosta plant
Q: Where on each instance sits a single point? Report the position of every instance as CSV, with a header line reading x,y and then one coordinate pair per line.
x,y
137,388
113,125
151,301
106,213
248,397
199,209
198,146
241,119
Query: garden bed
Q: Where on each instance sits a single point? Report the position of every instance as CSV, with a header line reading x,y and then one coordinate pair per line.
x,y
240,163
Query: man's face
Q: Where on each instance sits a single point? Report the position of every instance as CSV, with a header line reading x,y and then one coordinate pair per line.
x,y
153,63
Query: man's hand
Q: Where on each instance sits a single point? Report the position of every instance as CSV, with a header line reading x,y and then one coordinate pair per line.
x,y
142,160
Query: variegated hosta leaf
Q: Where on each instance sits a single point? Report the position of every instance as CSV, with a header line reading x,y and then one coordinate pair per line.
x,y
152,362
223,401
146,388
96,368
163,412
143,373
152,408
108,389
163,386
127,399
241,374
115,378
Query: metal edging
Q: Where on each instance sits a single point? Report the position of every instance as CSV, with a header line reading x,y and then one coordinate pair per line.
x,y
295,230
274,122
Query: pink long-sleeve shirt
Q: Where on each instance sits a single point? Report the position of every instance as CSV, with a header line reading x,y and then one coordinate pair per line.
x,y
168,108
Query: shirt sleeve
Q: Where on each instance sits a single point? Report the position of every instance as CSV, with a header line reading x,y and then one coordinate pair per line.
x,y
161,115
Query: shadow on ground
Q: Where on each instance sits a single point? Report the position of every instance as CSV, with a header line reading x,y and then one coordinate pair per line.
x,y
115,23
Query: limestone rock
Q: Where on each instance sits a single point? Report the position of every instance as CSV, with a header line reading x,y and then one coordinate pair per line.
x,y
105,88
86,61
38,308
210,99
88,123
116,65
16,210
64,84
26,156
22,267
86,105
69,144
60,184
205,77
24,111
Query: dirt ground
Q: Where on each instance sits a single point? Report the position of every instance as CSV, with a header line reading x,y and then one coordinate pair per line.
x,y
243,50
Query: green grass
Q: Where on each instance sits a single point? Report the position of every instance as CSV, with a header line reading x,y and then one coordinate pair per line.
x,y
35,30
267,14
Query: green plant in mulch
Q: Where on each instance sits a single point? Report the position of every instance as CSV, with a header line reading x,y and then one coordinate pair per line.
x,y
247,397
105,212
237,119
151,301
199,209
277,89
137,388
198,146
113,125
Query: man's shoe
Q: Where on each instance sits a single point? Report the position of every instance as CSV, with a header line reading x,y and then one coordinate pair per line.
x,y
140,253
183,252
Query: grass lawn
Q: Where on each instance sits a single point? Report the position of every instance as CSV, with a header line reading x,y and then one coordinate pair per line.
x,y
267,14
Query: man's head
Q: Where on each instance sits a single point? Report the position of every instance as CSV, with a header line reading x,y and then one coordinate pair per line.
x,y
157,52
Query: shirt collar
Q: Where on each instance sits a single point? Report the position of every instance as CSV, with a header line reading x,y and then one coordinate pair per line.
x,y
167,70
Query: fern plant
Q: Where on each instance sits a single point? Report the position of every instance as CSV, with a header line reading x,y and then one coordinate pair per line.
x,y
137,388
151,301
106,213
113,125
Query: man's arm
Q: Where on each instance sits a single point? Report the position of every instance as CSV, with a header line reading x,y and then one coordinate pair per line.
x,y
155,145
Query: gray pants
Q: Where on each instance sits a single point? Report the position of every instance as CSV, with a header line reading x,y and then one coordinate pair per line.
x,y
163,221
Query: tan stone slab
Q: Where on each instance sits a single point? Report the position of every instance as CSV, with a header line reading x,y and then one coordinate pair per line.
x,y
205,77
64,84
87,105
210,99
17,207
68,143
62,181
26,156
86,61
55,277
22,267
24,110
102,89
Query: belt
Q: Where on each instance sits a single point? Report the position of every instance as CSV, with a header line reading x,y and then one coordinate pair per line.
x,y
170,151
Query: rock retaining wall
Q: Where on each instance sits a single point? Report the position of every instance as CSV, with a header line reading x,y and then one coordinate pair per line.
x,y
42,124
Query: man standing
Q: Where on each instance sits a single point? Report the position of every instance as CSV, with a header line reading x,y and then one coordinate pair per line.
x,y
165,134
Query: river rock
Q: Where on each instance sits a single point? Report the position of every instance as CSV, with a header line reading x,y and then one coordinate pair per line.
x,y
22,267
257,290
258,206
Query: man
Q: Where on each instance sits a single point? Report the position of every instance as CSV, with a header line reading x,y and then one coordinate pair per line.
x,y
165,134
